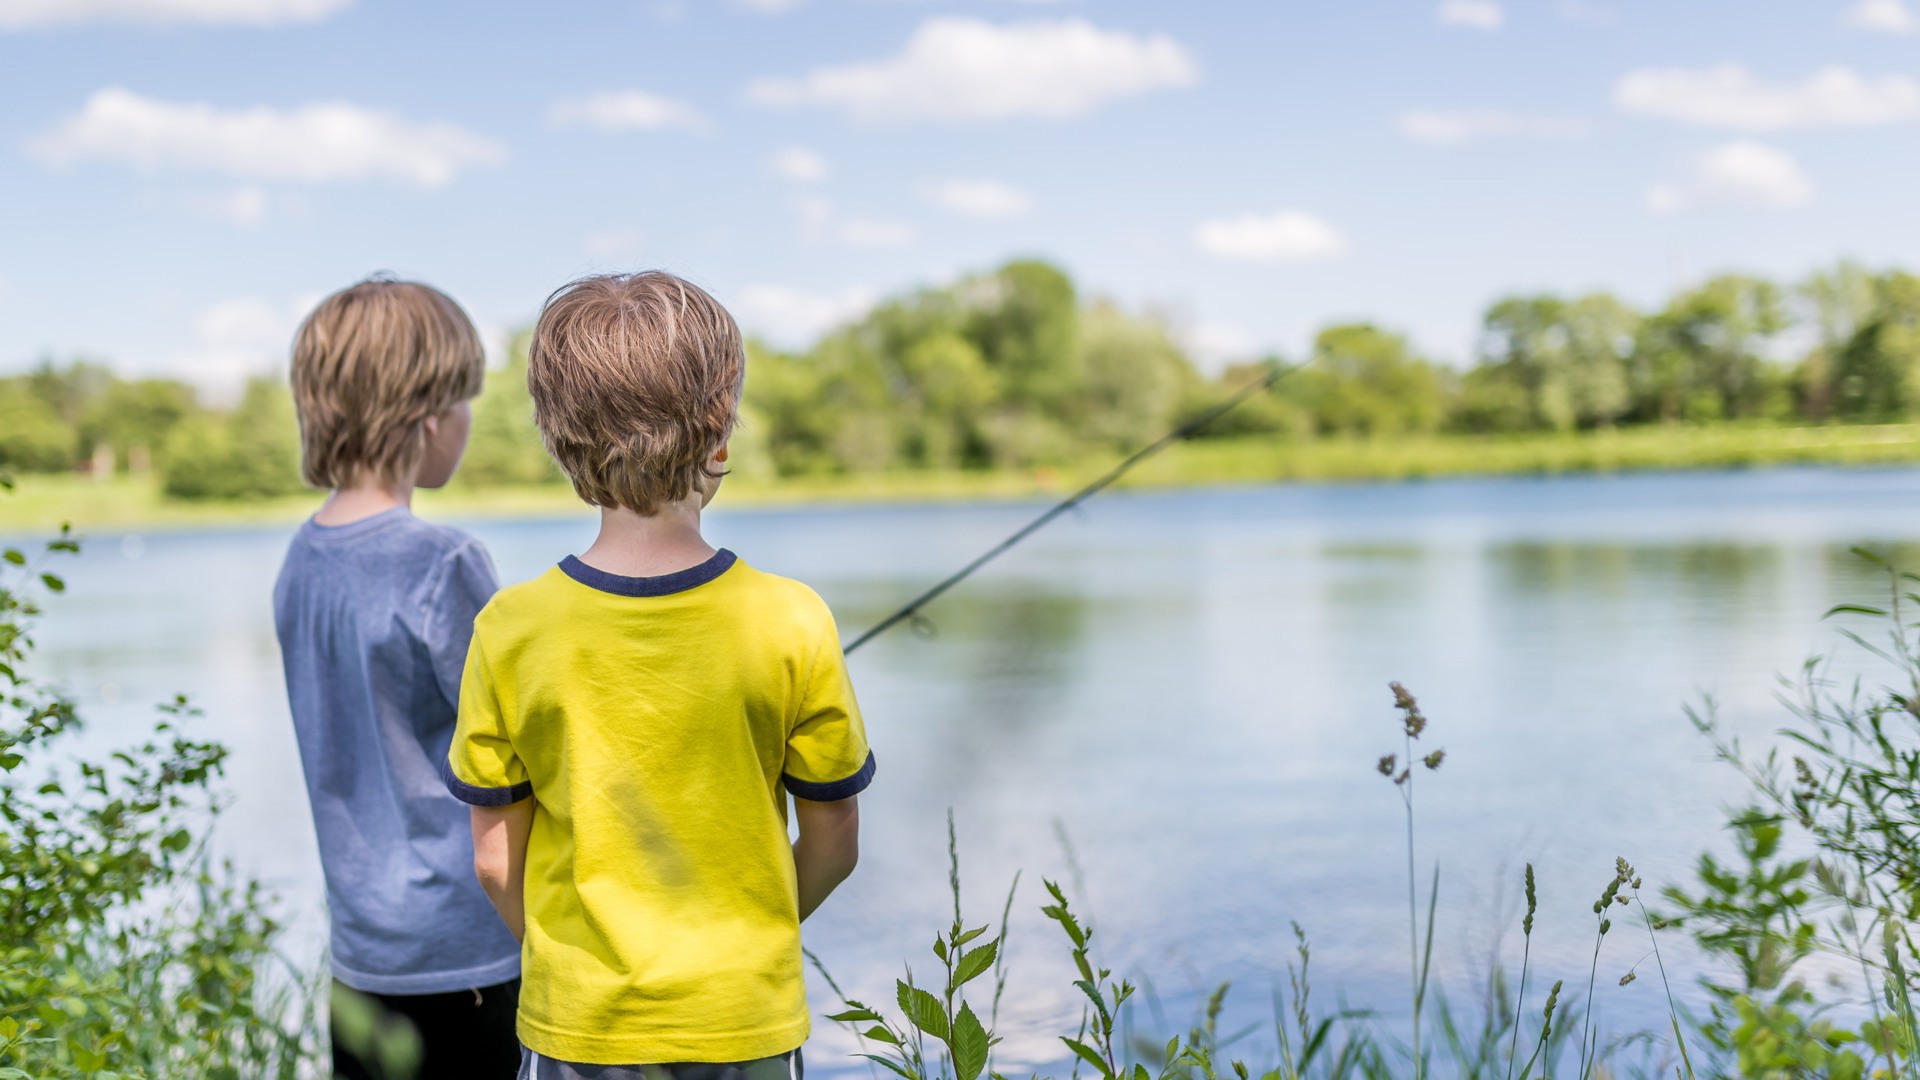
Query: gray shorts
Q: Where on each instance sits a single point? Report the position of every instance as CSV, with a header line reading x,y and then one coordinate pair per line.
x,y
787,1066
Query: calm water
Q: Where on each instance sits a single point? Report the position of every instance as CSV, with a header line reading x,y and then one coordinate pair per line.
x,y
1193,689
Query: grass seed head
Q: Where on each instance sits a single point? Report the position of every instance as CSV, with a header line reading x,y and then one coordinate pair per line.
x,y
1433,760
1413,721
1533,903
1387,763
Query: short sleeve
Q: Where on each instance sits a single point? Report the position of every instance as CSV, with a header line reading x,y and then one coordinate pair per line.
x,y
466,582
827,754
482,767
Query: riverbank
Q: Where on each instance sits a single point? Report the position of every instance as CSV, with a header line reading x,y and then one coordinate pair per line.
x,y
43,502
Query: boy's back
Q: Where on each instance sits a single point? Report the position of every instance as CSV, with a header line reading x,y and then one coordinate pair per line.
x,y
632,722
374,610
374,619
655,720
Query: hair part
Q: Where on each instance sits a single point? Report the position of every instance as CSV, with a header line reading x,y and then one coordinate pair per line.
x,y
636,383
370,365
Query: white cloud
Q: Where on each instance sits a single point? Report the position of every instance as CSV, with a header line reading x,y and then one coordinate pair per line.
x,y
1745,173
1455,126
311,143
626,110
1883,16
1729,96
959,70
795,317
241,206
801,165
22,14
874,233
769,7
822,223
977,198
1476,14
1286,236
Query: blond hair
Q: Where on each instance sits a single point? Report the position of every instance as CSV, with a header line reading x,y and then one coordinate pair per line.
x,y
636,383
370,364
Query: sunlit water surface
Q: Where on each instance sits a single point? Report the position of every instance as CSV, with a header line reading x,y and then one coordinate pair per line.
x,y
1189,692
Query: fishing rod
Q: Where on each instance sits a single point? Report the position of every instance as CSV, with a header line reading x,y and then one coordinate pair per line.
x,y
1187,430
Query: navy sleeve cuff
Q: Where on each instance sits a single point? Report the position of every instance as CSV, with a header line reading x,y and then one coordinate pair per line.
x,y
474,795
835,790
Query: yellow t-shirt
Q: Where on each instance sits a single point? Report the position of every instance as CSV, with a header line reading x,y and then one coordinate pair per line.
x,y
655,721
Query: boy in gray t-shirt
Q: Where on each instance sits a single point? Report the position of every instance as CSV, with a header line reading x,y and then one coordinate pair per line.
x,y
375,609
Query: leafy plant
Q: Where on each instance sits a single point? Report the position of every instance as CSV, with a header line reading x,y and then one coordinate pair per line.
x,y
963,1042
126,952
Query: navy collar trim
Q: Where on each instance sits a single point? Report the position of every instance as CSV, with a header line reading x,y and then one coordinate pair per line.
x,y
664,585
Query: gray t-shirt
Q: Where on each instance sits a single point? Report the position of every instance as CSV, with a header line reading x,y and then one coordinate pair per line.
x,y
374,620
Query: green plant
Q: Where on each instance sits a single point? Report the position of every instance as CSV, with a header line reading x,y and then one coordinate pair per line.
x,y
964,1042
1412,724
126,953
1850,789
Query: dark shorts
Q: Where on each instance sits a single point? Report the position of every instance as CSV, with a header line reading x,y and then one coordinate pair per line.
x,y
786,1066
463,1035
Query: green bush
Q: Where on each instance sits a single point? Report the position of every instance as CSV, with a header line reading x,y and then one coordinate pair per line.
x,y
124,951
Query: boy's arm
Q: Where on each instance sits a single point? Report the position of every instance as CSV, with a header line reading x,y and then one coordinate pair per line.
x,y
500,859
828,847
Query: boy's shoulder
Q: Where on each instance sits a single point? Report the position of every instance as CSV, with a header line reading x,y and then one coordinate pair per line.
x,y
392,530
772,598
386,552
791,594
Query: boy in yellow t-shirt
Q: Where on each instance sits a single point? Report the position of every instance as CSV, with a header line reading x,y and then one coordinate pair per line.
x,y
630,718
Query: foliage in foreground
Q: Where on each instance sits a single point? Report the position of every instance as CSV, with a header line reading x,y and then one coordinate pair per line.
x,y
124,952
128,955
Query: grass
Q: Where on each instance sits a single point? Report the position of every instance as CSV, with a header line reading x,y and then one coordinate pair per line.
x,y
44,502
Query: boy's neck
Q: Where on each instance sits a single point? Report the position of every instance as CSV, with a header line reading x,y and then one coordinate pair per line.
x,y
649,545
362,499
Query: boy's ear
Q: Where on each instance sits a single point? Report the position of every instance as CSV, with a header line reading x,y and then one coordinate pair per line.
x,y
721,454
431,426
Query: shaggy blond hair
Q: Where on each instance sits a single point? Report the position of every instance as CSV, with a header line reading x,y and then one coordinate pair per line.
x,y
636,383
370,364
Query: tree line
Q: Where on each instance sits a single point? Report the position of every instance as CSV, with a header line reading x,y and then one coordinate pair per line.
x,y
1013,368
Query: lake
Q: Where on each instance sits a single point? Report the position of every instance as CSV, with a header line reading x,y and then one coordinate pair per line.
x,y
1191,689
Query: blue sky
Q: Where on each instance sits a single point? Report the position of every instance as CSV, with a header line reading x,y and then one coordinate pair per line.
x,y
179,179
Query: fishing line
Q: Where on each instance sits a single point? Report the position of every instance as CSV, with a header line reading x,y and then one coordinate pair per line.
x,y
911,611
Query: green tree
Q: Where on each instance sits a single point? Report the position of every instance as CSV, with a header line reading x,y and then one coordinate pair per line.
x,y
1133,377
1568,360
1369,382
952,388
1876,374
1836,303
1261,414
1025,319
1707,355
69,390
782,407
135,417
505,446
251,453
33,437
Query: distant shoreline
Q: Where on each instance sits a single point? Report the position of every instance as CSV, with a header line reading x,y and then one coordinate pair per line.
x,y
41,503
